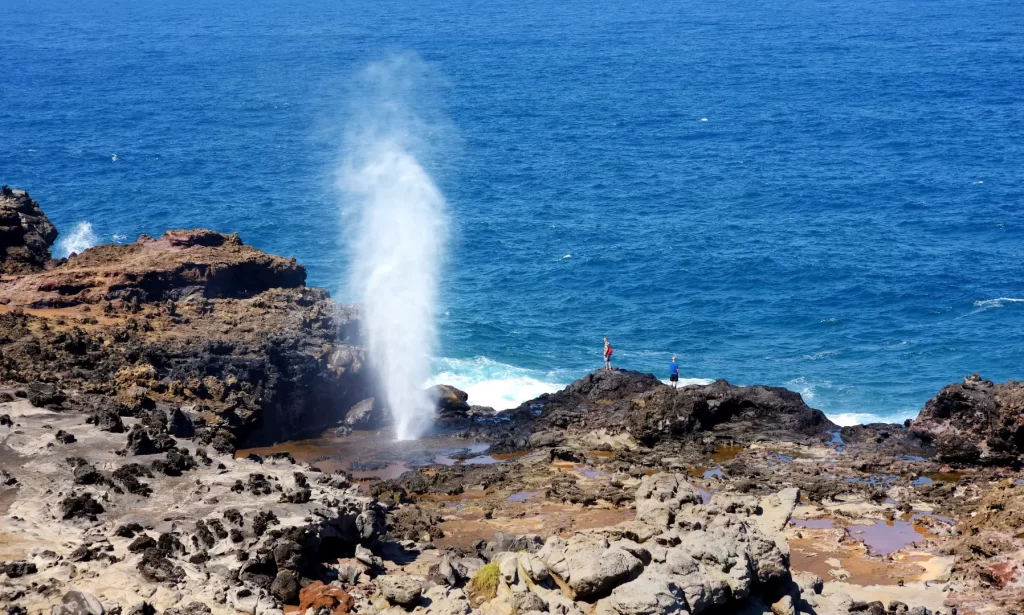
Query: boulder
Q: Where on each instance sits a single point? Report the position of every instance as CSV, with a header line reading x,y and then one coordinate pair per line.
x,y
594,569
651,593
403,590
367,414
451,402
285,586
78,603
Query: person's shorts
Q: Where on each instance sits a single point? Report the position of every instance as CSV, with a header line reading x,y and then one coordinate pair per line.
x,y
674,378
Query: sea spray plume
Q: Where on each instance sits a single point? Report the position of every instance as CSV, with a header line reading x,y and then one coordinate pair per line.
x,y
399,234
78,240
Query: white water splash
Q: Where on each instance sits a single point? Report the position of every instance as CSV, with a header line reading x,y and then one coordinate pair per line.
x,y
77,241
399,234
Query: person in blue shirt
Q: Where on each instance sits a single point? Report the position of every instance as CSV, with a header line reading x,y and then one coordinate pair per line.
x,y
673,372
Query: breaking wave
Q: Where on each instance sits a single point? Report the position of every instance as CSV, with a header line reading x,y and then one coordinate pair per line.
x,y
77,241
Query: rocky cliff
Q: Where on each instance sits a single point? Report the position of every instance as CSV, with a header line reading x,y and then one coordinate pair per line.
x,y
195,322
26,234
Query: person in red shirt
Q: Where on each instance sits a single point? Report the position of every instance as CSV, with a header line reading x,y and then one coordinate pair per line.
x,y
607,354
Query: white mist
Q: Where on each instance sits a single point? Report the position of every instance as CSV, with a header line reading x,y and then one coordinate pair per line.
x,y
399,235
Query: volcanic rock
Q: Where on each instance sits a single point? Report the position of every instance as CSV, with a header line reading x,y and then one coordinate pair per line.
x,y
977,420
78,603
26,234
450,401
402,590
650,412
82,505
367,414
193,318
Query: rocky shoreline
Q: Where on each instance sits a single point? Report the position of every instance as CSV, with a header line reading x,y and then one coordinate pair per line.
x,y
131,375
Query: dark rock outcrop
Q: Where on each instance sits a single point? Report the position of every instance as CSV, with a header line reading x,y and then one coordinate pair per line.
x,y
26,234
976,421
652,412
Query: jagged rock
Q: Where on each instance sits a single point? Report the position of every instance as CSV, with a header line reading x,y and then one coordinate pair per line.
x,y
128,530
64,437
129,474
178,461
403,590
84,473
82,505
179,425
107,420
142,608
17,568
155,567
285,586
977,420
147,441
142,543
26,234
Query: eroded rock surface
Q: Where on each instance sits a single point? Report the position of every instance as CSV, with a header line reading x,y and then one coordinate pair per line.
x,y
977,420
26,234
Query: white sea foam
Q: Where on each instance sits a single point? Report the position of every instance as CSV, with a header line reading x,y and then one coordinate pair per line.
x,y
846,419
399,233
688,381
997,303
490,383
80,239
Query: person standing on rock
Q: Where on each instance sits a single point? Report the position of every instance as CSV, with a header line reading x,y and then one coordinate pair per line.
x,y
607,355
673,372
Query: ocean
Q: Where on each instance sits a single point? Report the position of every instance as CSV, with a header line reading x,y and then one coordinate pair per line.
x,y
825,196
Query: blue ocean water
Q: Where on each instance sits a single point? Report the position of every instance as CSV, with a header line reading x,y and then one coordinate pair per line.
x,y
821,195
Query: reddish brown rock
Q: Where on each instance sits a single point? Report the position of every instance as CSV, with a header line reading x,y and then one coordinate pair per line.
x,y
197,264
194,320
316,595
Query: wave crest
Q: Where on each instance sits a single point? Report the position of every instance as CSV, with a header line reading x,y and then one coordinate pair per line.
x,y
490,383
998,302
